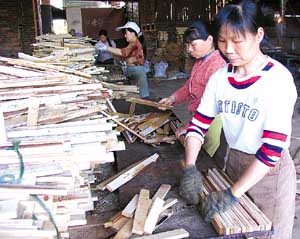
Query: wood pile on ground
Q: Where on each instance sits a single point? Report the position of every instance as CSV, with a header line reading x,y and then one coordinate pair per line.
x,y
52,135
143,215
243,217
64,47
151,128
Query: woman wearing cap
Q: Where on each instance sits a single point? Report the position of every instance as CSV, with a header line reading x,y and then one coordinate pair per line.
x,y
133,55
200,45
104,57
255,97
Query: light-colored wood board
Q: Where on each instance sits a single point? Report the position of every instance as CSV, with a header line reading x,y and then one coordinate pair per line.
x,y
162,191
150,103
140,216
102,185
126,231
153,215
128,211
131,173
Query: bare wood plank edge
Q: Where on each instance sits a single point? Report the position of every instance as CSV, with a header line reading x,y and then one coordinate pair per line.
x,y
150,103
102,185
131,173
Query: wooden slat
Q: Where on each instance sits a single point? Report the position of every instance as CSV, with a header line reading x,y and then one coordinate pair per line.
x,y
127,173
162,191
128,211
153,215
126,231
141,212
33,111
150,103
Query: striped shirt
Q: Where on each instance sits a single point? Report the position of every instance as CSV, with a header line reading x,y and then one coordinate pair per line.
x,y
256,111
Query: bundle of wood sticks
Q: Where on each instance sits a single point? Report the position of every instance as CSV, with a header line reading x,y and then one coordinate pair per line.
x,y
242,218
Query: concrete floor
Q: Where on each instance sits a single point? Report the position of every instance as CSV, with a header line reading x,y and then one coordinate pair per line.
x,y
163,88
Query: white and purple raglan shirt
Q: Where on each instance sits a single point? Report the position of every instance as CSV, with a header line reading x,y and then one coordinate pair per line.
x,y
256,111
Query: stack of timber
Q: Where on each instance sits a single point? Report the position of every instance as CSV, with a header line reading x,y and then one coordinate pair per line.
x,y
52,135
64,47
38,74
143,215
151,128
76,53
244,217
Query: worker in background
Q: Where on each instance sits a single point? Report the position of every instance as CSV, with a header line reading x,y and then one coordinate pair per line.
x,y
73,33
104,57
200,44
255,96
134,57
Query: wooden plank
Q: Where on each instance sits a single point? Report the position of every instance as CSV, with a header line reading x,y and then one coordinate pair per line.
x,y
175,234
162,191
123,125
131,109
174,128
154,123
150,103
134,168
142,209
153,215
157,140
169,203
130,174
126,231
33,111
128,211
110,105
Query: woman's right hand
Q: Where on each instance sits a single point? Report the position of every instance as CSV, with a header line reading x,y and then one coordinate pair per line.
x,y
168,101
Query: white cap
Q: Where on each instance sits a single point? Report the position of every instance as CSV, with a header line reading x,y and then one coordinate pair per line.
x,y
131,25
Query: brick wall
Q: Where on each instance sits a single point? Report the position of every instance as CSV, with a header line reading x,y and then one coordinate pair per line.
x,y
16,27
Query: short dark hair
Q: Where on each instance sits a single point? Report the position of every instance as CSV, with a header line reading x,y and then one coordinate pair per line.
x,y
241,16
102,32
198,30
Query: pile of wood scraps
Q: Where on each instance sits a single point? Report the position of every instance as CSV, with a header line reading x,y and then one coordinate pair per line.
x,y
52,135
62,46
152,128
143,215
244,217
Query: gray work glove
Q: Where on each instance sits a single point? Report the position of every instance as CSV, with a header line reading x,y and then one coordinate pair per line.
x,y
217,202
191,185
